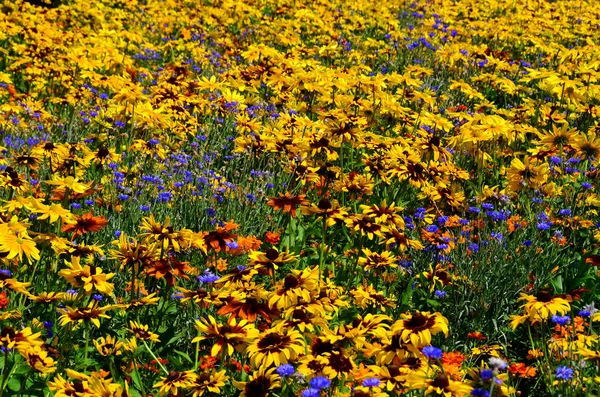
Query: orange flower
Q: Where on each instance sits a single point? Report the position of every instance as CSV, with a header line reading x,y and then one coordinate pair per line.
x,y
521,370
476,335
272,238
287,203
85,224
3,300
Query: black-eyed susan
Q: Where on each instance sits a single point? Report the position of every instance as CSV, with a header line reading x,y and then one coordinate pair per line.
x,y
174,381
227,337
275,346
269,261
299,285
330,210
539,307
287,203
38,359
108,346
140,331
432,380
92,312
418,327
208,382
261,383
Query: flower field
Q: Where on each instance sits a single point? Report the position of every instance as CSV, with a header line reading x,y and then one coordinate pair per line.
x,y
299,198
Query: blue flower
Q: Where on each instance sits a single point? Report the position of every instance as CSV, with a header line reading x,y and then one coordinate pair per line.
x,y
564,373
311,393
561,320
371,382
486,374
320,382
480,393
432,352
285,370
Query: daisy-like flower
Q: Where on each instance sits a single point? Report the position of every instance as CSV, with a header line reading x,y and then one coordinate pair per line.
x,y
91,277
268,262
431,381
418,327
15,242
275,347
163,234
141,332
109,346
225,337
175,381
287,203
91,312
208,382
298,285
539,307
87,223
69,183
21,340
260,384
375,261
38,358
330,210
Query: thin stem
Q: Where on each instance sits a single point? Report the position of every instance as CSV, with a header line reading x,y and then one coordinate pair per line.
x,y
154,357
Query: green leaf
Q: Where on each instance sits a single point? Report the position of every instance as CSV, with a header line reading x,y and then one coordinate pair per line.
x,y
14,384
184,355
433,303
137,381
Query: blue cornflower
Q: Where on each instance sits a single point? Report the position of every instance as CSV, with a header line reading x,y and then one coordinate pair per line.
x,y
527,243
432,352
285,370
97,297
432,228
486,374
480,393
75,206
564,373
207,277
371,382
487,206
561,320
89,202
474,210
544,225
320,382
473,247
144,207
311,393
565,212
440,294
585,313
586,185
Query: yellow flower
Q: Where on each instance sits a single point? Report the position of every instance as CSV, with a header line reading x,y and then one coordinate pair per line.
x,y
17,244
275,347
38,359
69,183
175,381
418,327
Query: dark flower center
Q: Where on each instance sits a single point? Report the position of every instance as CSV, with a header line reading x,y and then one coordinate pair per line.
x,y
440,381
272,254
324,204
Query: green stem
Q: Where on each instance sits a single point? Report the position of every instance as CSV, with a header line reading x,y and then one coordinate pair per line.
x,y
154,357
5,372
25,382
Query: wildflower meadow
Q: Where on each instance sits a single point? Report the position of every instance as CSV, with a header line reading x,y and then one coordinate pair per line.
x,y
303,198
